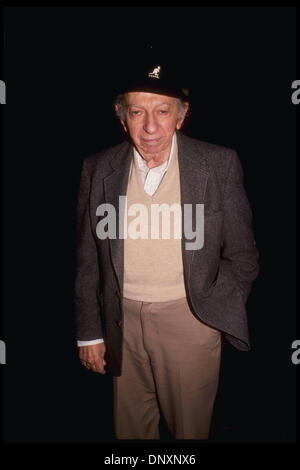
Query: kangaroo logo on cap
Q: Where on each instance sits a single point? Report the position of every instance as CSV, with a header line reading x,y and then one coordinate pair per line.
x,y
155,73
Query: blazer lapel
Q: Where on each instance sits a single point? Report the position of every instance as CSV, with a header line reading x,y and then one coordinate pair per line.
x,y
115,185
193,180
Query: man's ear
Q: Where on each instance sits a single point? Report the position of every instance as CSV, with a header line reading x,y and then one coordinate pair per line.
x,y
179,123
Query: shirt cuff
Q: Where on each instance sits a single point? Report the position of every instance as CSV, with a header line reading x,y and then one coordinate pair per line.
x,y
89,343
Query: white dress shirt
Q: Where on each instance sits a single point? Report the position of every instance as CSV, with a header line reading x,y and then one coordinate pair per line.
x,y
151,178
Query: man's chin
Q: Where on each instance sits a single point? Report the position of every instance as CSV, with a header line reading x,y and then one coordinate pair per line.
x,y
152,144
150,148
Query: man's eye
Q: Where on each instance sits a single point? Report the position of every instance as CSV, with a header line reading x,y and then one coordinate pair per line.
x,y
163,111
135,113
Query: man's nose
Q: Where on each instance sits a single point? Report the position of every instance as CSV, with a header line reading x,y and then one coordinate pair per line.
x,y
150,123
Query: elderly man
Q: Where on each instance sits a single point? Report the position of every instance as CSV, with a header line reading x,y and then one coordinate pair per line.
x,y
151,306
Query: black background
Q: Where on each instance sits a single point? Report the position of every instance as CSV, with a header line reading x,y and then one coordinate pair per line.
x,y
61,67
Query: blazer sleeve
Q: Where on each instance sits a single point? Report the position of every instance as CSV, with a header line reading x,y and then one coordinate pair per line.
x,y
239,255
87,308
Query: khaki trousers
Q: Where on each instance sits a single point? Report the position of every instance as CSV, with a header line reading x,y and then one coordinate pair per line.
x,y
170,363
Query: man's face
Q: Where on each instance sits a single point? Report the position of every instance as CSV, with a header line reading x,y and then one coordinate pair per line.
x,y
151,120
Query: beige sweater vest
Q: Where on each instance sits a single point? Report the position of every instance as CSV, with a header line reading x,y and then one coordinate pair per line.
x,y
153,269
